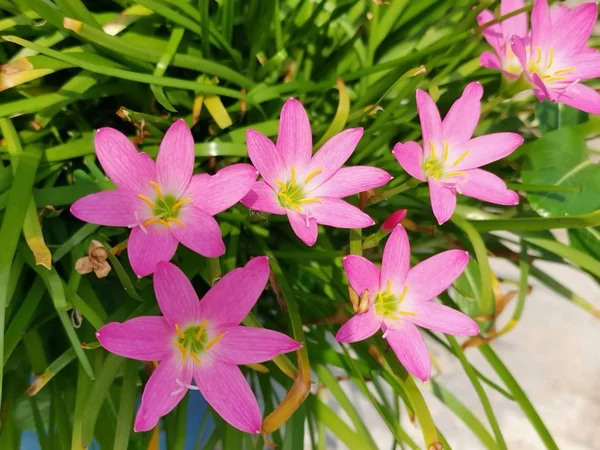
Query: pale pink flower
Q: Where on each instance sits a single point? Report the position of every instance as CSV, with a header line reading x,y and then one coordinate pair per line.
x,y
200,340
307,188
162,202
400,300
499,35
450,158
557,58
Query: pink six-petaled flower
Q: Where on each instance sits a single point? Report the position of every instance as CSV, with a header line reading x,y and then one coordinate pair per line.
x,y
162,202
400,299
306,188
200,340
450,158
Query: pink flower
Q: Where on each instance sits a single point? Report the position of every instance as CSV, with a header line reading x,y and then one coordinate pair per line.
x,y
394,219
400,299
450,159
201,341
162,202
499,35
557,58
309,188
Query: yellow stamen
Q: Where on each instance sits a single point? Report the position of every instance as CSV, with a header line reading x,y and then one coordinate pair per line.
x,y
164,222
432,149
445,151
310,200
407,313
147,200
214,341
388,289
567,70
286,197
550,58
201,329
461,157
174,220
181,202
183,350
539,55
551,79
313,174
454,174
296,207
404,292
281,184
151,221
195,358
156,187
293,176
179,332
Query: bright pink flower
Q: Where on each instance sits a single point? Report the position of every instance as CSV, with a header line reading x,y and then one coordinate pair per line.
x,y
557,58
400,299
201,341
162,202
499,35
394,219
309,188
451,158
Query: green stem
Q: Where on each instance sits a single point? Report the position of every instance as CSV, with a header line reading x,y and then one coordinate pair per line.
x,y
537,223
543,188
214,270
395,191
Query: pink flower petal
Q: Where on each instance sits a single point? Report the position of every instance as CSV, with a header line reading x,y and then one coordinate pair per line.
x,y
175,294
443,200
490,60
410,157
265,157
352,180
462,118
571,33
541,25
121,161
395,261
518,47
581,97
305,228
162,392
147,248
557,12
335,212
586,64
431,123
230,300
263,198
226,390
441,318
542,92
408,344
109,208
358,328
146,338
201,232
487,149
175,160
216,193
492,34
488,187
516,25
332,156
247,345
394,219
362,274
433,276
294,140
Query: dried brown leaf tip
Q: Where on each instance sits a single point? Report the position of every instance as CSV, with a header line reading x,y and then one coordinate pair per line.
x,y
96,261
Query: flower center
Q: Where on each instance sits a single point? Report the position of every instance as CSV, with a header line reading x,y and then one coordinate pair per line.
x,y
542,65
165,208
292,195
193,341
386,304
436,167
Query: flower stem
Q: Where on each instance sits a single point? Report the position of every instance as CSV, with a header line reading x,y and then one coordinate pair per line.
x,y
214,270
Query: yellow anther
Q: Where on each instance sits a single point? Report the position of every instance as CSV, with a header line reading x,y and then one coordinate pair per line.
x,y
183,350
445,151
156,188
179,332
174,220
313,174
551,79
164,222
195,358
455,174
404,292
181,202
539,55
461,157
281,184
432,149
147,200
293,182
310,200
388,289
550,58
214,341
286,197
567,70
151,221
407,313
201,329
